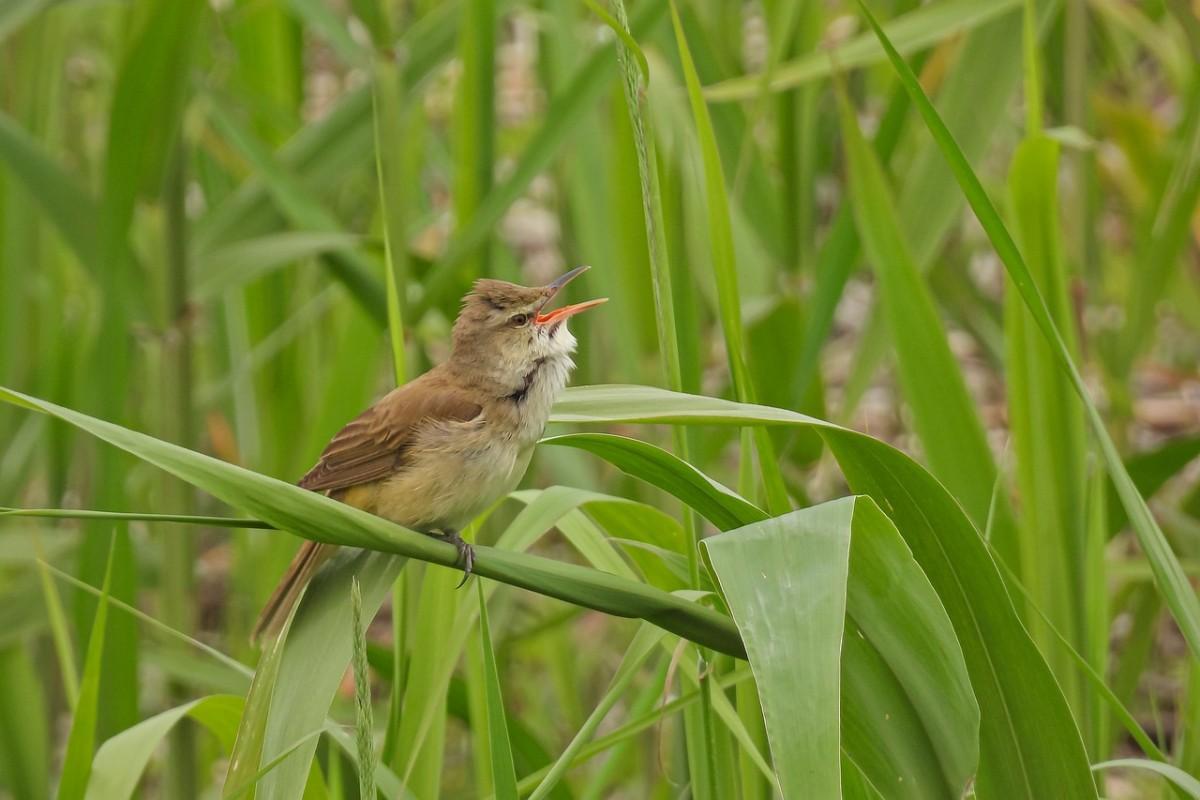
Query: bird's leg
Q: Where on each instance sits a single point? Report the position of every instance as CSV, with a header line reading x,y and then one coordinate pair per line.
x,y
466,553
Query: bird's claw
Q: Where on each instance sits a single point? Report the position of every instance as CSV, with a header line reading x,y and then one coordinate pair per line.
x,y
466,555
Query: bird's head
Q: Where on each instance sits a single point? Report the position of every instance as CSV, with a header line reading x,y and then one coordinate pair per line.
x,y
506,329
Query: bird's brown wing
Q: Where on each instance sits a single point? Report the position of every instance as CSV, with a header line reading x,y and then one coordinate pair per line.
x,y
370,447
373,445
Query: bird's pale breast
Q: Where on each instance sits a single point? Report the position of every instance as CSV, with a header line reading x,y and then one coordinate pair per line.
x,y
452,475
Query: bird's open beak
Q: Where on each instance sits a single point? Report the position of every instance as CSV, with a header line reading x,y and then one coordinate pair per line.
x,y
565,311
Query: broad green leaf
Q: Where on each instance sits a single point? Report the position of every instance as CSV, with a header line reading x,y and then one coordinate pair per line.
x,y
720,505
504,776
1169,575
833,560
121,760
1029,744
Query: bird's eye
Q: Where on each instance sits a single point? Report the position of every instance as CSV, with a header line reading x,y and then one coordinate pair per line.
x,y
517,320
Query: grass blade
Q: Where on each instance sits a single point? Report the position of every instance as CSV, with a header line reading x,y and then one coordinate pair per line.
x,y
943,412
644,643
504,775
1168,573
306,213
924,26
1048,434
81,742
1183,781
725,269
67,205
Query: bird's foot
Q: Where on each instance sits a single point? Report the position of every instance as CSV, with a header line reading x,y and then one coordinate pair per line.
x,y
466,554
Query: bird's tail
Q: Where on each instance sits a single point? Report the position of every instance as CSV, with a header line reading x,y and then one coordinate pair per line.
x,y
290,589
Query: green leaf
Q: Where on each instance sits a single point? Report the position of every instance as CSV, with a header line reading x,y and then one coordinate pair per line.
x,y
1029,744
315,655
304,211
66,204
722,506
924,26
943,412
1048,434
246,261
81,741
247,750
504,775
563,114
25,755
725,267
121,760
16,13
387,95
1150,470
837,559
644,643
543,511
1168,574
1175,775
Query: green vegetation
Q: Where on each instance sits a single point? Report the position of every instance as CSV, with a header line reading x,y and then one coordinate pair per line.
x,y
877,476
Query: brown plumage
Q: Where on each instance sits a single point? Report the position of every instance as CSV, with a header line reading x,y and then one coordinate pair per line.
x,y
434,453
373,444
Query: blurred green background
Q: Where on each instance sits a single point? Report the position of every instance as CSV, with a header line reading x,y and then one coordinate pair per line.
x,y
199,201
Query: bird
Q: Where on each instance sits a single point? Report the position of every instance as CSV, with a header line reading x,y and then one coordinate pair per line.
x,y
434,453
